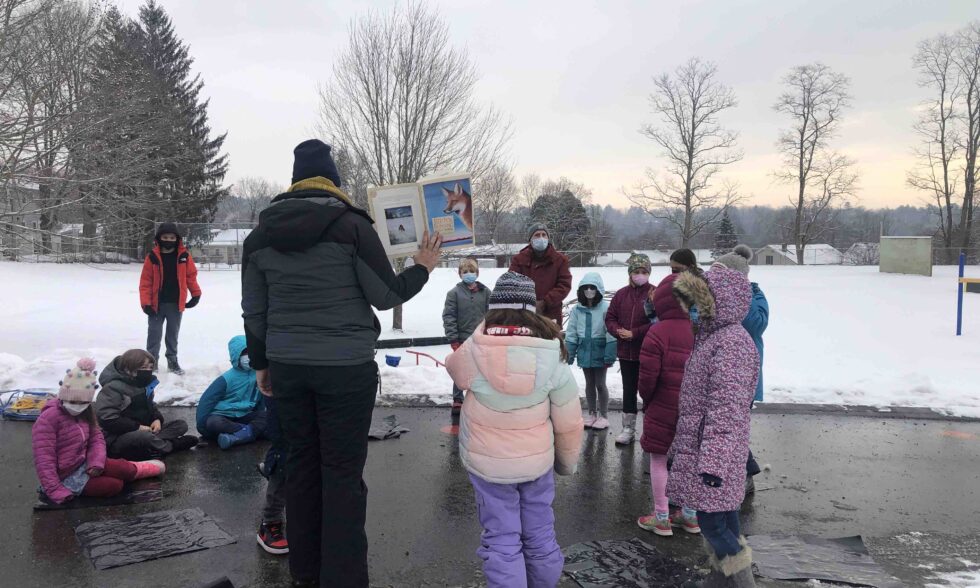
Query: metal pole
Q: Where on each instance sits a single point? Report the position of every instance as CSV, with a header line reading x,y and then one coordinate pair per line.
x,y
959,297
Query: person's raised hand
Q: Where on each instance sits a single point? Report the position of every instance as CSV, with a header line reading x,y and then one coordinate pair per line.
x,y
264,379
429,251
155,426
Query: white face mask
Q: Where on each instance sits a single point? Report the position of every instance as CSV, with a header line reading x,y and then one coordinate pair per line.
x,y
75,408
539,244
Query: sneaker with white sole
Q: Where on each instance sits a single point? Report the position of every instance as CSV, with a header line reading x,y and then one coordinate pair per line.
x,y
628,434
589,420
272,538
601,424
658,523
686,519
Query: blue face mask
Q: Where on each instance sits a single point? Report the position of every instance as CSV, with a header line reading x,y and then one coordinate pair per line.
x,y
539,244
245,363
469,278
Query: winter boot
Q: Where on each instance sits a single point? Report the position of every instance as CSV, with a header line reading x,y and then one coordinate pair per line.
x,y
589,420
173,367
715,579
628,434
601,423
737,568
272,538
149,469
659,523
183,443
244,435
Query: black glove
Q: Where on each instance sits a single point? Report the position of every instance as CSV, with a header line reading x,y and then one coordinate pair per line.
x,y
709,480
149,310
192,302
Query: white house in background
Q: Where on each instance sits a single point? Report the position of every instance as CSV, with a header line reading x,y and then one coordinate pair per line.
x,y
813,254
225,247
493,255
862,254
657,257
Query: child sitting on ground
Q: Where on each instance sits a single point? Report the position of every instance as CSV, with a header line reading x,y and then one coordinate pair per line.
x,y
69,449
133,425
595,349
231,410
666,347
521,423
466,305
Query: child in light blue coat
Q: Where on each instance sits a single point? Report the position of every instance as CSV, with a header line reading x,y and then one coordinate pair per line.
x,y
231,410
588,342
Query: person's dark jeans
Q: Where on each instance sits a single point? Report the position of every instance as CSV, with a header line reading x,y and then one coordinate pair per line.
x,y
722,531
274,468
325,415
457,394
169,312
631,382
218,424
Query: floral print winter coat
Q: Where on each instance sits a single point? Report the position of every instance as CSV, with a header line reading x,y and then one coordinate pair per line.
x,y
719,383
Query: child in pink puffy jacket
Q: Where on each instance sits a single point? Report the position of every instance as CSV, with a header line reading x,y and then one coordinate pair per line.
x,y
69,449
521,422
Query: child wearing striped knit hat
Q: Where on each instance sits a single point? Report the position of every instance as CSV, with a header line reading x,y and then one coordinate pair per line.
x,y
69,449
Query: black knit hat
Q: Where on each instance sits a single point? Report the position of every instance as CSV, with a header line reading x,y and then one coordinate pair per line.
x,y
513,290
165,228
311,159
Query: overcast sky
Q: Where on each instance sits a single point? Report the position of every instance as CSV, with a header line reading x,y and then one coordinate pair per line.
x,y
574,76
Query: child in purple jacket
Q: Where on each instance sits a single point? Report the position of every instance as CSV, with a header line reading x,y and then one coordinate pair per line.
x,y
711,444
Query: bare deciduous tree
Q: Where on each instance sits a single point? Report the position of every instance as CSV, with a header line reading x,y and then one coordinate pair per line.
x,y
530,189
402,101
696,148
497,194
815,98
256,194
967,59
938,130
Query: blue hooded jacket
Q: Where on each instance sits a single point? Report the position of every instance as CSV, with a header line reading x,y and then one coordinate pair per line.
x,y
755,323
234,394
586,338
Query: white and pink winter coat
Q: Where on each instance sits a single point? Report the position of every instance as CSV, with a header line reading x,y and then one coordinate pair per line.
x,y
522,416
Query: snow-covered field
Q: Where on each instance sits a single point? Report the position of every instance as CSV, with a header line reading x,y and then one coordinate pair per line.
x,y
837,335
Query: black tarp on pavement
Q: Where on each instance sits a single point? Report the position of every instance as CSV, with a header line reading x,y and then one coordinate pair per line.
x,y
626,563
806,557
110,544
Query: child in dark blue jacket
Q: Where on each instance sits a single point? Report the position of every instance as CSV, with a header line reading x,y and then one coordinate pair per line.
x,y
231,409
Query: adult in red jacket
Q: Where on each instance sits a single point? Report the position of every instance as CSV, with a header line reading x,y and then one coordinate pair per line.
x,y
544,264
168,274
666,347
627,321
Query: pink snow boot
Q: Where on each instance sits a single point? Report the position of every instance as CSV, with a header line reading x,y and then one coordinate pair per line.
x,y
149,469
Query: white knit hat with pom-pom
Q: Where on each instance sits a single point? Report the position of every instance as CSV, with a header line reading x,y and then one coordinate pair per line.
x,y
737,260
79,384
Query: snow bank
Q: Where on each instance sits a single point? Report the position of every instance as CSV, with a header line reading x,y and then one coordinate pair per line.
x,y
837,335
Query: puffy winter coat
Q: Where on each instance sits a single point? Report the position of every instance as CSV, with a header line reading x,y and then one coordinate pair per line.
x,y
719,382
552,278
122,405
233,394
522,415
586,338
151,280
61,444
755,323
626,311
464,310
666,347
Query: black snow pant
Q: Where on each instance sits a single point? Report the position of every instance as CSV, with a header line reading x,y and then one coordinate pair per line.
x,y
631,383
169,312
274,468
143,445
325,415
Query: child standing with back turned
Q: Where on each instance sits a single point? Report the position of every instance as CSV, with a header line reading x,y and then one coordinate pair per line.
x,y
521,423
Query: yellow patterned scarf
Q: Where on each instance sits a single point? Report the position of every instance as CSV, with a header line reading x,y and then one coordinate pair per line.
x,y
320,183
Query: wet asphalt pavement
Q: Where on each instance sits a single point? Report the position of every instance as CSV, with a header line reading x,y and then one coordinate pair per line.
x,y
830,475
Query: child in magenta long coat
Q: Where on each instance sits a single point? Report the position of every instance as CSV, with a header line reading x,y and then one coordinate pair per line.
x,y
69,449
711,444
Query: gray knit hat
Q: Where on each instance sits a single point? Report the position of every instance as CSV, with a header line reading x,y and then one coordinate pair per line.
x,y
513,290
535,227
738,259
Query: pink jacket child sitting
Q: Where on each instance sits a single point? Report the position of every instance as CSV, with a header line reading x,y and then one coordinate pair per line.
x,y
521,422
69,449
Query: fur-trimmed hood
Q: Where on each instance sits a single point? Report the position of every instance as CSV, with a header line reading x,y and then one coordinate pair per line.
x,y
722,296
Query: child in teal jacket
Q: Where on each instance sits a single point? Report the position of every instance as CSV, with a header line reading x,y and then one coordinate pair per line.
x,y
231,409
588,342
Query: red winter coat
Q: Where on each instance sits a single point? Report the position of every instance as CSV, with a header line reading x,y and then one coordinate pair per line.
x,y
666,347
552,278
626,311
61,444
151,280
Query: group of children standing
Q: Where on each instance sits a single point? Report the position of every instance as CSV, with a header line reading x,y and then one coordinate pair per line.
x,y
682,348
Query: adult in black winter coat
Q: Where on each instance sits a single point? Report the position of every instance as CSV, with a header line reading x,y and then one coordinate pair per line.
x,y
311,271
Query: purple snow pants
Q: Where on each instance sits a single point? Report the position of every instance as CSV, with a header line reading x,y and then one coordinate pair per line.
x,y
519,547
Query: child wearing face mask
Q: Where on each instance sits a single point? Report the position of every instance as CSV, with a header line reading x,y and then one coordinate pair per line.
x,y
133,425
231,410
466,305
588,341
69,449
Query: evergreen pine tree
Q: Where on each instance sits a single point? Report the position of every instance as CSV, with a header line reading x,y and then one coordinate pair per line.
x,y
725,238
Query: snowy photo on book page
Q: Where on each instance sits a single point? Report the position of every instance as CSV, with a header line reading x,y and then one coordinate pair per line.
x,y
399,217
